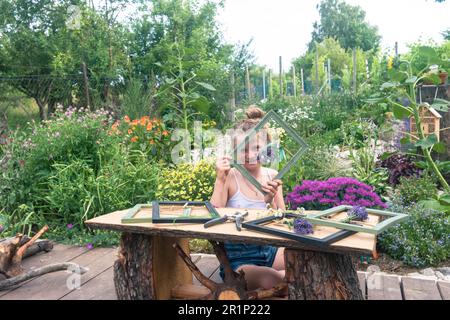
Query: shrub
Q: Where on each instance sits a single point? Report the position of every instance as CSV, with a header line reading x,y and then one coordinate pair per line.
x,y
422,240
399,165
188,182
413,190
319,195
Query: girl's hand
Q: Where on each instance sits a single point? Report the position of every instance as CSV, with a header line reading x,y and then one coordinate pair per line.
x,y
223,167
271,189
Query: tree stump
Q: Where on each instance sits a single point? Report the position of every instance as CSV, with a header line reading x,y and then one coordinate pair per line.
x,y
313,275
148,267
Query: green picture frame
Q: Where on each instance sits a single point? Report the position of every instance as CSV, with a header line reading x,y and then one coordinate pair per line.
x,y
271,115
184,217
389,219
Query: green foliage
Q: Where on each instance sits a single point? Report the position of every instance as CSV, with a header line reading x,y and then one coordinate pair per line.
x,y
137,100
413,190
423,240
364,169
347,24
358,133
191,182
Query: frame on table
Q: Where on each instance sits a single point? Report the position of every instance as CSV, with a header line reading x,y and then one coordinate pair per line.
x,y
183,217
389,219
260,226
271,115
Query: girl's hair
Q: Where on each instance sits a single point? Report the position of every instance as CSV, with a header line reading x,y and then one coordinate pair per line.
x,y
254,115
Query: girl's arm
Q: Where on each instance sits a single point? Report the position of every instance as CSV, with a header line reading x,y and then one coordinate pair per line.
x,y
219,197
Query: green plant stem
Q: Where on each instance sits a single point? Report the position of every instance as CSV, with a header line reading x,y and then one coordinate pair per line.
x,y
427,152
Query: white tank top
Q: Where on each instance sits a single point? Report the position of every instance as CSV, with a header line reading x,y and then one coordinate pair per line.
x,y
240,200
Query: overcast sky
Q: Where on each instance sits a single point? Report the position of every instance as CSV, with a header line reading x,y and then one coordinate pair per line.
x,y
283,27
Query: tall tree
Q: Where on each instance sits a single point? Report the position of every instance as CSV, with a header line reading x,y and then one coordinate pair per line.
x,y
345,23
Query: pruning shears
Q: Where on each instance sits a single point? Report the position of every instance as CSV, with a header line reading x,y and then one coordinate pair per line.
x,y
237,217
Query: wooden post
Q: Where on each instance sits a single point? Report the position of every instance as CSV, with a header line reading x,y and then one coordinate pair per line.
x,y
396,49
294,81
86,85
232,96
313,275
264,83
329,74
270,84
354,70
317,70
247,83
302,79
280,62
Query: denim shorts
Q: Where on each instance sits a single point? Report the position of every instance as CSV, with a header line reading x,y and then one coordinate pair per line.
x,y
242,254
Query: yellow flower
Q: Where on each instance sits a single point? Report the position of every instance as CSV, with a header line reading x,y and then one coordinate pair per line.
x,y
390,63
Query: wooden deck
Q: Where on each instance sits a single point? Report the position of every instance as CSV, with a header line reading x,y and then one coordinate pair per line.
x,y
97,283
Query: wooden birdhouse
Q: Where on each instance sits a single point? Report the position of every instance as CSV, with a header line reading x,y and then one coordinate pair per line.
x,y
431,121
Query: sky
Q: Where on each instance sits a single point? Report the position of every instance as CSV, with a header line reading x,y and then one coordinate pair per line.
x,y
283,27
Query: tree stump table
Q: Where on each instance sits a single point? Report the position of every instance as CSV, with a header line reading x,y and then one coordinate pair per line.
x,y
153,259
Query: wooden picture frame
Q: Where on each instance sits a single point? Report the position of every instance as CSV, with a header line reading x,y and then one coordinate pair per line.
x,y
259,225
390,218
271,115
184,217
130,216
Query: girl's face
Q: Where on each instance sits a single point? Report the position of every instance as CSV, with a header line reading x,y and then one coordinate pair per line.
x,y
249,156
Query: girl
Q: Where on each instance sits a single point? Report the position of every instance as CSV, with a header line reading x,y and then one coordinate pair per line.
x,y
263,265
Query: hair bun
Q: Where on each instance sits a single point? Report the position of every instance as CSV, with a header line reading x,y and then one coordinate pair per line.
x,y
253,112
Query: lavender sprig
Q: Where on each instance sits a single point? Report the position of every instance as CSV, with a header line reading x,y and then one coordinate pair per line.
x,y
357,213
301,226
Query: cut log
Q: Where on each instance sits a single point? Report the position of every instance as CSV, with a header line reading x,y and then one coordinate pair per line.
x,y
190,291
148,268
313,275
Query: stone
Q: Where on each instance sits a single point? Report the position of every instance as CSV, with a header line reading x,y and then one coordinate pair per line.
x,y
429,272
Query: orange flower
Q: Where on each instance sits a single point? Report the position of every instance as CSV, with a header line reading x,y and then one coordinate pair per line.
x,y
130,131
134,139
143,121
149,126
165,133
151,141
135,122
126,119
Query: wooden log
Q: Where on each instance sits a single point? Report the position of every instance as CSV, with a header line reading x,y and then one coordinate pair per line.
x,y
189,291
313,275
148,268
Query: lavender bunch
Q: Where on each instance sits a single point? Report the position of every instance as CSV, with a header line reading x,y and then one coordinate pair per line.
x,y
301,226
357,213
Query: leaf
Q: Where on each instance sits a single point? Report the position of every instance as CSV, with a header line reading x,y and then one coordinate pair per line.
x,y
435,205
388,85
207,86
445,199
398,76
158,64
404,140
400,111
440,147
428,142
411,80
201,105
441,105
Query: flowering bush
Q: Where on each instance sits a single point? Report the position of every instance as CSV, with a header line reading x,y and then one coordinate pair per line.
x,y
319,195
145,134
422,240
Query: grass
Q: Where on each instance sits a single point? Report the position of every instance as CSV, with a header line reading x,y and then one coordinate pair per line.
x,y
19,115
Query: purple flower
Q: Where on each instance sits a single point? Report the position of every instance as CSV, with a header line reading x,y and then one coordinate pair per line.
x,y
89,246
69,226
301,226
358,213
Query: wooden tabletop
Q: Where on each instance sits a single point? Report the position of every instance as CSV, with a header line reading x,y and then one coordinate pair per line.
x,y
360,243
